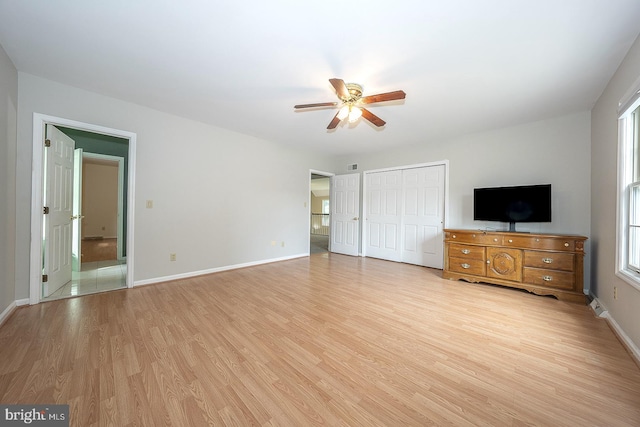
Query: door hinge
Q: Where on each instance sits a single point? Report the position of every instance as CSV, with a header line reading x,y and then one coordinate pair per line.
x,y
45,210
45,278
47,143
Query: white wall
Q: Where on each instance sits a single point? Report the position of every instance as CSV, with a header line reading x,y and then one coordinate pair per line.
x,y
219,198
555,151
625,310
8,113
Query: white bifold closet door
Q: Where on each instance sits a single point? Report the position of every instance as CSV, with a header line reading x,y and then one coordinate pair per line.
x,y
383,216
405,215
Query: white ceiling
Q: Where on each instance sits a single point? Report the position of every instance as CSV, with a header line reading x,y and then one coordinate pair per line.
x,y
466,65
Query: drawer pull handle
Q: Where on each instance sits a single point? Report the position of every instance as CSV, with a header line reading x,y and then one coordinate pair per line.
x,y
566,245
454,236
495,240
547,260
510,241
465,265
466,251
547,278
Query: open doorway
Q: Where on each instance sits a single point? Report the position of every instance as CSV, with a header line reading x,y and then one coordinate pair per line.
x,y
113,151
98,220
320,210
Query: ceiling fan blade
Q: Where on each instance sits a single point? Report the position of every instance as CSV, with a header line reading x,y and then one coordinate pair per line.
x,y
319,104
334,122
341,88
381,97
372,117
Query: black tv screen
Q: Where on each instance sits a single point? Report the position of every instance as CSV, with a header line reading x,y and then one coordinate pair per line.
x,y
525,203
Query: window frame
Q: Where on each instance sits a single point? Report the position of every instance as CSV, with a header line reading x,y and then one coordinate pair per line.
x,y
628,177
634,212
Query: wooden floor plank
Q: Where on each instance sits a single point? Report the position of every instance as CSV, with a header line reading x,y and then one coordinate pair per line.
x,y
323,340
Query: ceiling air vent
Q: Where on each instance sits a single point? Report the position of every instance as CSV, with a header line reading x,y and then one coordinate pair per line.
x,y
352,167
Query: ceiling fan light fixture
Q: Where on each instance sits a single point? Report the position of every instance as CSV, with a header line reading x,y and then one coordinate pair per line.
x,y
355,92
354,114
351,95
343,113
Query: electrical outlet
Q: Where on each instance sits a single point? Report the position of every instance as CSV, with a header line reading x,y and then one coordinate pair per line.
x,y
615,292
282,244
172,257
149,204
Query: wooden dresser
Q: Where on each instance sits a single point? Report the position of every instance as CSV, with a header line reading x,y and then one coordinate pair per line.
x,y
544,264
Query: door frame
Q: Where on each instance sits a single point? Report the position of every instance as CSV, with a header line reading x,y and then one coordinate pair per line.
x,y
37,177
120,224
444,163
328,175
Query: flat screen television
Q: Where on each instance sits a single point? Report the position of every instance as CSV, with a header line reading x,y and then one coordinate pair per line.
x,y
524,203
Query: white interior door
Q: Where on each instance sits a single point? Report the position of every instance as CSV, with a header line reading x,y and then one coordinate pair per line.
x,y
345,211
76,244
118,162
423,216
59,201
383,215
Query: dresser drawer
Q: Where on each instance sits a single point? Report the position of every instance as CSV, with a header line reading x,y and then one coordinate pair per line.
x,y
551,278
476,267
549,260
479,238
546,243
466,251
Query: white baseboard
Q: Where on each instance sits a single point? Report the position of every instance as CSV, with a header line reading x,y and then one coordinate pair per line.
x,y
622,336
633,349
7,312
213,270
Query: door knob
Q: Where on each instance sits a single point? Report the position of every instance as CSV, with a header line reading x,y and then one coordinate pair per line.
x,y
77,217
356,218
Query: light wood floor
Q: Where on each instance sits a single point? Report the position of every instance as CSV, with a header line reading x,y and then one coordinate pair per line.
x,y
326,340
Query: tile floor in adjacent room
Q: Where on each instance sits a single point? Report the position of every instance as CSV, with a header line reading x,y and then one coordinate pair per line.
x,y
96,276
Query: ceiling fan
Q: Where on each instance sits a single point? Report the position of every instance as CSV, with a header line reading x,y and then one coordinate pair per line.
x,y
351,99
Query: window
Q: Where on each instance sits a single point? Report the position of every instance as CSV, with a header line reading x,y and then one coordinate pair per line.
x,y
628,259
634,228
325,211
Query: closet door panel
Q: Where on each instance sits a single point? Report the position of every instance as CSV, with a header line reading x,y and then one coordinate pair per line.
x,y
382,216
423,216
